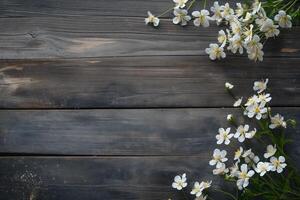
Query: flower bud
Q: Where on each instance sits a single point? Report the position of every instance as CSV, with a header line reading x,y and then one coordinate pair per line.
x,y
229,117
228,86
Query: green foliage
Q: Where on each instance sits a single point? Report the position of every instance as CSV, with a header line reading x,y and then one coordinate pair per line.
x,y
292,8
274,186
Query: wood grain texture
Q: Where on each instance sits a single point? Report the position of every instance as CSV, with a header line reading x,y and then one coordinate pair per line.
x,y
119,132
69,54
95,36
118,178
180,81
19,8
93,178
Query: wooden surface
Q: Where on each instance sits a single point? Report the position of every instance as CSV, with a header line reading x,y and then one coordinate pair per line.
x,y
96,105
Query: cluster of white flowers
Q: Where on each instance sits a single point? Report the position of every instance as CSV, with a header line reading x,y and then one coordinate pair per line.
x,y
247,27
180,182
246,162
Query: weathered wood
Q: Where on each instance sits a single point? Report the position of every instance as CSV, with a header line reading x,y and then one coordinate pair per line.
x,y
19,8
118,178
180,81
73,37
99,54
118,132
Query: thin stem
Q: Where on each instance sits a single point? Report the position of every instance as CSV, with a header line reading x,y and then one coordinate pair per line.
x,y
191,4
270,178
204,5
276,4
291,5
296,194
259,194
288,4
166,11
270,185
226,193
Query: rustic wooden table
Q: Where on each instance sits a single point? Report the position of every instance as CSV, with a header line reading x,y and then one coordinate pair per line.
x,y
96,105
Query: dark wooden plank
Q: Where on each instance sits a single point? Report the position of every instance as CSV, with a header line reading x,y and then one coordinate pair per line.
x,y
175,81
117,178
95,36
19,8
123,178
117,132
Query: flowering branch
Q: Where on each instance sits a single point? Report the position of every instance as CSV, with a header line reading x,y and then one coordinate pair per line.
x,y
248,26
271,174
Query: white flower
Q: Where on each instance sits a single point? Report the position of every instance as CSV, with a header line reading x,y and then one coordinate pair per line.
x,y
221,170
180,3
269,28
264,98
205,184
236,27
244,176
238,102
256,54
256,6
198,188
247,153
238,153
201,197
151,19
222,38
252,100
219,157
248,33
254,48
234,170
260,21
247,17
215,52
240,10
201,18
179,182
227,11
250,157
277,121
283,19
229,35
256,110
278,164
260,86
254,43
224,136
236,44
262,13
229,117
250,134
263,167
241,133
181,16
271,150
216,9
228,85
